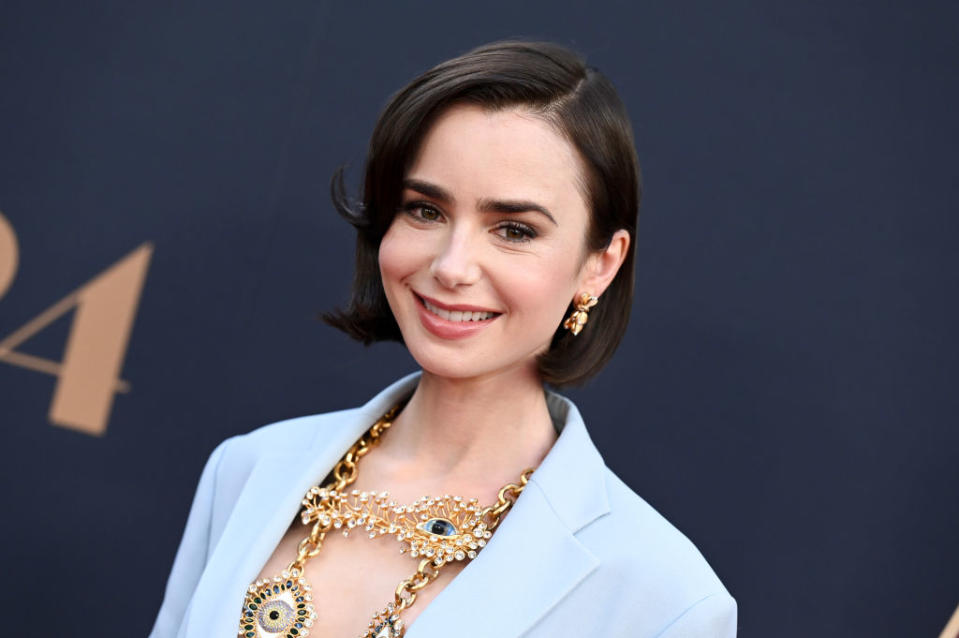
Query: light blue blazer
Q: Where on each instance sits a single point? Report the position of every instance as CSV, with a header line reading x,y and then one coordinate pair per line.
x,y
580,554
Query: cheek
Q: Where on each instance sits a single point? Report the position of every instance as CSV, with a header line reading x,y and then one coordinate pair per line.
x,y
540,291
392,269
394,260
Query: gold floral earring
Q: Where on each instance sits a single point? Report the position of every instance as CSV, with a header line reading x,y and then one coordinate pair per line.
x,y
575,322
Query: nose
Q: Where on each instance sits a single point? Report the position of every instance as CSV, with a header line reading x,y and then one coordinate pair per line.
x,y
456,263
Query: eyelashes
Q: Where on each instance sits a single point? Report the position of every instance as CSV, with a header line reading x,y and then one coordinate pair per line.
x,y
421,211
509,230
515,231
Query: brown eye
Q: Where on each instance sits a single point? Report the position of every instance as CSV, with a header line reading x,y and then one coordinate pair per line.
x,y
516,232
429,214
422,211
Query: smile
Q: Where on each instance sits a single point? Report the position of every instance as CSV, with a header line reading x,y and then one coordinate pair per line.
x,y
457,315
453,322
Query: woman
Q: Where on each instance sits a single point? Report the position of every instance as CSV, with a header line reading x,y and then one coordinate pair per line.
x,y
496,238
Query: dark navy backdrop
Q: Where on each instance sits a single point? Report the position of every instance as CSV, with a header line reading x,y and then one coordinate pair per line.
x,y
786,392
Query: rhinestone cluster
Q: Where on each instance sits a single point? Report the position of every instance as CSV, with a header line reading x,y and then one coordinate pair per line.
x,y
385,624
447,528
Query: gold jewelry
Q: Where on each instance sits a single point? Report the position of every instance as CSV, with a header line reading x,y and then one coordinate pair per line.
x,y
439,531
575,322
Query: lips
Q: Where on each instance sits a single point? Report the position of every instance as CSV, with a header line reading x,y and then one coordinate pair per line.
x,y
453,322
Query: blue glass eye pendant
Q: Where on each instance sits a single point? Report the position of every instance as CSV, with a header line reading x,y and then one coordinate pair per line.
x,y
438,527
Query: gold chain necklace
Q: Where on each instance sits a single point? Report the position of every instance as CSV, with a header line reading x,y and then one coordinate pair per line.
x,y
439,531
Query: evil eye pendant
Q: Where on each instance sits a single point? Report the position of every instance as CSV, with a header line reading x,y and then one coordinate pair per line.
x,y
281,607
438,527
442,540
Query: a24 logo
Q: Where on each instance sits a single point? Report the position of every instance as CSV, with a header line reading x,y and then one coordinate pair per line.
x,y
88,377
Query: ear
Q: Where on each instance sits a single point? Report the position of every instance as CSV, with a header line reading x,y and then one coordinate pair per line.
x,y
601,267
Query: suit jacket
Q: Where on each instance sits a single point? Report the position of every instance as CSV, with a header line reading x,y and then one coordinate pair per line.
x,y
580,554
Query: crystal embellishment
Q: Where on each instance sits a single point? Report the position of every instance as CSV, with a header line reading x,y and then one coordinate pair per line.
x,y
275,616
434,527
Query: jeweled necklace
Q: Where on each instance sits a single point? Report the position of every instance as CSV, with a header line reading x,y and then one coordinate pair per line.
x,y
439,531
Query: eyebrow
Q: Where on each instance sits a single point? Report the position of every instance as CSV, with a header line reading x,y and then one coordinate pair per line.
x,y
486,205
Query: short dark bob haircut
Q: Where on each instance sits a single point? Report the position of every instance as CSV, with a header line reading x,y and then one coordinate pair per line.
x,y
554,83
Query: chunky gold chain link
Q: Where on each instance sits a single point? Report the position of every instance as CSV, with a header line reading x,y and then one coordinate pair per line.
x,y
505,499
425,574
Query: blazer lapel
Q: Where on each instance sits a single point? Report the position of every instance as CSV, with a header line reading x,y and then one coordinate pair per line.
x,y
267,504
534,558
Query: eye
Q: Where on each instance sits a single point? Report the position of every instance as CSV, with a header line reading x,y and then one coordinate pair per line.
x,y
515,231
438,527
422,211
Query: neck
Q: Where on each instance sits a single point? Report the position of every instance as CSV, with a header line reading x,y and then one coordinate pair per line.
x,y
473,435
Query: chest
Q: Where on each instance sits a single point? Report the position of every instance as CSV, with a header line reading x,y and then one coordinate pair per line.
x,y
354,577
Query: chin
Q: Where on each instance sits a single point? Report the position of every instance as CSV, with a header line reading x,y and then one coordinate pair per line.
x,y
460,366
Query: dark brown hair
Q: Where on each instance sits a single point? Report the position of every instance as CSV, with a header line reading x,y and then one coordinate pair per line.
x,y
554,83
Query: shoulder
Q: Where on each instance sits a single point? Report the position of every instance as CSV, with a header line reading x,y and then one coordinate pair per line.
x,y
313,431
281,437
633,528
234,459
644,559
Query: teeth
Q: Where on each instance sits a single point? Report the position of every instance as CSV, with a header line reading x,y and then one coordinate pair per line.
x,y
458,315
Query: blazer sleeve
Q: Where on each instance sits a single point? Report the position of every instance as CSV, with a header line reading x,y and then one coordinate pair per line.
x,y
711,617
191,556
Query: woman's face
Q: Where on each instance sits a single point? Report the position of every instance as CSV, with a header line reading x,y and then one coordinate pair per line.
x,y
489,246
